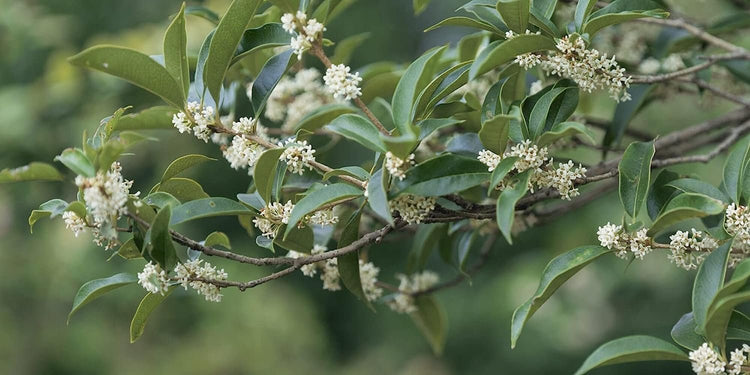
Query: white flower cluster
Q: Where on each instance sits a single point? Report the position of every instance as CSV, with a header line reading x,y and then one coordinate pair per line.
x,y
308,31
545,173
689,249
535,87
412,208
184,272
341,83
243,152
737,359
74,223
587,67
323,217
272,217
670,64
329,273
153,279
195,119
293,98
396,166
297,155
706,361
737,224
613,237
510,34
403,302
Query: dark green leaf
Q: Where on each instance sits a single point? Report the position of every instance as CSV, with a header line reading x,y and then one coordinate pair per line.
x,y
684,334
685,206
494,133
735,169
377,196
267,79
202,12
145,308
441,175
431,320
500,171
208,207
159,240
632,349
565,129
661,193
319,198
515,14
218,238
175,51
76,161
348,264
463,22
159,117
708,281
183,163
501,52
267,36
129,250
635,176
97,288
322,116
624,113
552,108
356,172
583,10
265,171
425,240
689,185
34,171
184,189
358,129
620,11
414,80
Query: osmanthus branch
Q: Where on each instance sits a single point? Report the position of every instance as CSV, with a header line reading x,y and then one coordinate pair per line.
x,y
317,51
710,60
698,32
716,91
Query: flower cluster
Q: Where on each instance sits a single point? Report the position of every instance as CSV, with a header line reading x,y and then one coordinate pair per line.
x,y
323,217
614,237
587,67
670,64
706,361
368,275
412,208
293,98
105,195
153,279
737,359
737,224
74,223
329,273
297,155
689,249
196,119
403,302
308,31
510,34
243,152
272,217
341,83
545,174
396,166
186,272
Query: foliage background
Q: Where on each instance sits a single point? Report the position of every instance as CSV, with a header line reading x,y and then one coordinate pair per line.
x,y
290,326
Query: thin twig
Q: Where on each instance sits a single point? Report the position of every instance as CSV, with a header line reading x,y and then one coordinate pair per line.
x,y
698,32
711,60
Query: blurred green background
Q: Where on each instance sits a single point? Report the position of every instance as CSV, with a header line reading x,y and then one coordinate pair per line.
x,y
290,326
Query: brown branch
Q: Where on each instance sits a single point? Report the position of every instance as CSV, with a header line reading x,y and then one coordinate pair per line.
x,y
711,60
717,91
698,32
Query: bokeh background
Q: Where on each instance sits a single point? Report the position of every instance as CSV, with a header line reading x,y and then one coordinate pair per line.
x,y
290,326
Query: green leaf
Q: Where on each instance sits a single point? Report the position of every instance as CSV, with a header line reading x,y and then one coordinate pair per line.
x,y
267,79
202,12
559,270
401,146
224,43
184,189
739,327
543,22
635,176
708,281
463,22
148,304
625,112
735,169
420,5
620,11
345,48
500,171
129,250
175,51
161,199
134,67
416,77
660,193
685,206
583,10
500,52
315,200
494,133
76,161
449,84
300,240
158,242
358,129
552,108
183,163
348,264
632,349
684,334
689,185
264,172
54,208
35,171
443,174
97,288
322,116
515,14
267,36
565,129
506,204
207,207
159,117
218,238
431,320
430,125
425,240
354,171
723,304
546,8
377,196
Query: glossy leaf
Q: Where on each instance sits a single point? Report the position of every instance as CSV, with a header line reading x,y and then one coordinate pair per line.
x,y
463,22
267,36
348,265
159,117
661,192
735,169
315,200
506,204
515,14
267,79
353,171
134,67
500,171
632,349
441,175
635,176
159,240
501,52
559,270
322,116
494,133
553,107
264,172
411,84
583,10
620,11
183,163
224,43
175,51
148,304
34,171
97,288
708,281
685,206
564,130
358,129
377,196
689,185
218,238
684,334
207,207
184,189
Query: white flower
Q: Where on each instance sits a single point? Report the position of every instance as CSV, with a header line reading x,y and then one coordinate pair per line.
x,y
706,361
368,274
737,224
297,155
308,31
74,223
153,279
330,275
528,60
273,216
196,119
640,243
313,29
396,166
649,66
689,251
412,208
184,272
737,359
562,178
299,45
536,86
403,302
323,217
105,195
311,269
288,23
530,155
672,63
489,158
341,83
242,153
295,97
